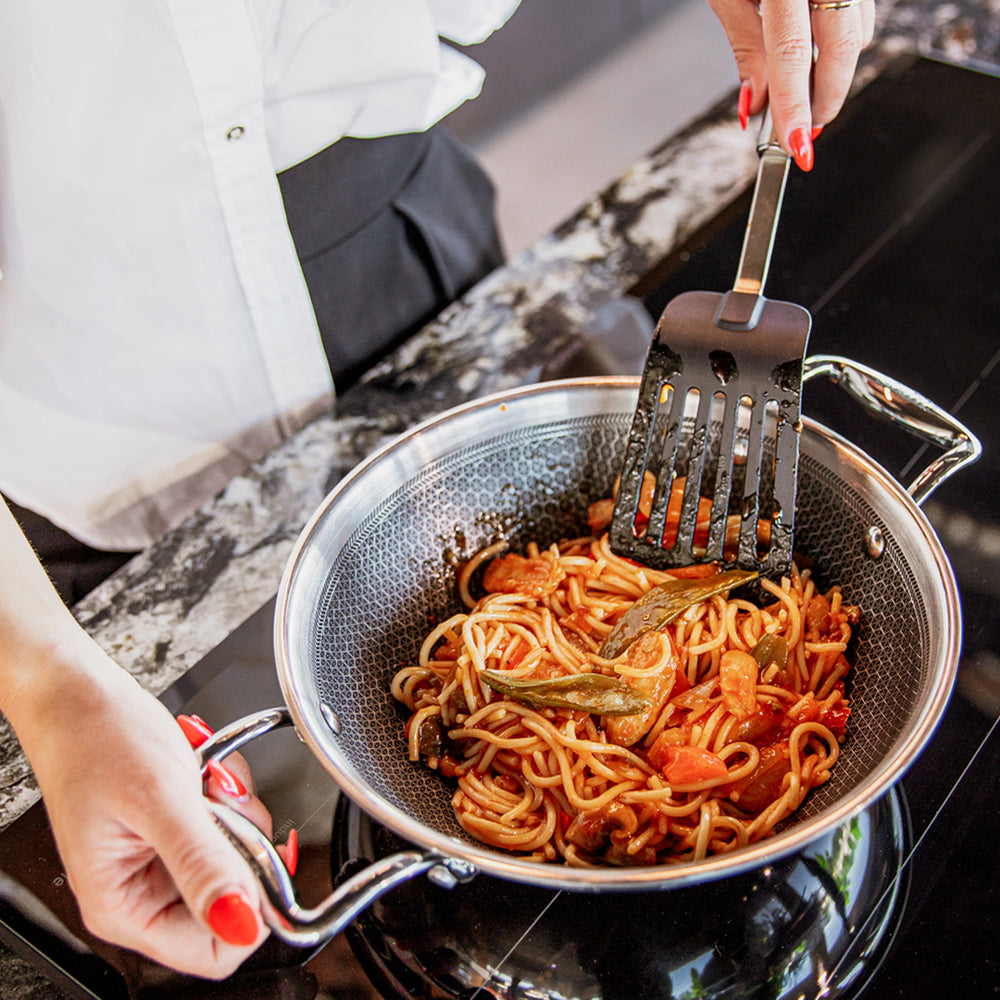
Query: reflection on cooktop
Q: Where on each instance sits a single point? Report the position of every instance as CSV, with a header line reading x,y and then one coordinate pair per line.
x,y
813,923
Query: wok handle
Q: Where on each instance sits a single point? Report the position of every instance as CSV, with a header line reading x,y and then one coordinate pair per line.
x,y
890,400
282,911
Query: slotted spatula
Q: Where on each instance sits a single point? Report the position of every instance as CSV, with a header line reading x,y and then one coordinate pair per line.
x,y
710,465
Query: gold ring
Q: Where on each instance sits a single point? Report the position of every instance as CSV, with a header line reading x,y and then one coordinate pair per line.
x,y
834,4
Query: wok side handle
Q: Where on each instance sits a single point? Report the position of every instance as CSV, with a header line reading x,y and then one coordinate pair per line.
x,y
890,400
282,911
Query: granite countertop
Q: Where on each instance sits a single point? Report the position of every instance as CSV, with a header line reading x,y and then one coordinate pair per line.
x,y
173,603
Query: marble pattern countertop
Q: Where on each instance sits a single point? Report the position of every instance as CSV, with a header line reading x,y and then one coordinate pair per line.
x,y
173,603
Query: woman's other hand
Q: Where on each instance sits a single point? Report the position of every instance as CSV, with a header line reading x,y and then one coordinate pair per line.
x,y
150,868
798,56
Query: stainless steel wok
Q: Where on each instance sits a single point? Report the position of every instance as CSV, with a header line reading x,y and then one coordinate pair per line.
x,y
371,570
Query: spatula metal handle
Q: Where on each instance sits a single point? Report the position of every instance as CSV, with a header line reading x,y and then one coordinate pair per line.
x,y
772,170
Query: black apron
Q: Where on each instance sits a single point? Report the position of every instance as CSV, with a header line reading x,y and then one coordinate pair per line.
x,y
388,231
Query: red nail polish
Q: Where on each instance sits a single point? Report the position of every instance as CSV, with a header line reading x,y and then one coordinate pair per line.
x,y
743,104
815,132
802,148
194,729
233,919
230,784
292,851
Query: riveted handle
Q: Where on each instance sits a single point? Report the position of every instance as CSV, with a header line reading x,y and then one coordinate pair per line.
x,y
287,918
890,400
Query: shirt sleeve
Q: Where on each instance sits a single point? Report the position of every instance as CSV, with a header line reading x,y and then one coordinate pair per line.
x,y
468,22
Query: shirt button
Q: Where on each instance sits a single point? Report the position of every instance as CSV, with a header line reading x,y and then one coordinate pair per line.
x,y
236,132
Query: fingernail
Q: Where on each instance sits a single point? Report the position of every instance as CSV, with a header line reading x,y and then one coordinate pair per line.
x,y
743,104
815,132
233,919
292,851
802,148
228,782
195,729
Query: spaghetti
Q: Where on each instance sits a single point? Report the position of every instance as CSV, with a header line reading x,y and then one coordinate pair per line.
x,y
700,737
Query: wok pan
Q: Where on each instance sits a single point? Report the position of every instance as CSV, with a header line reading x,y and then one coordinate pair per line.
x,y
371,571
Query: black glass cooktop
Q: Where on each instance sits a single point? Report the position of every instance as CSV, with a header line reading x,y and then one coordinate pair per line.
x,y
893,244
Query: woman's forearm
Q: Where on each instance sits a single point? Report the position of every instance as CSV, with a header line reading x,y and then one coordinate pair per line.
x,y
41,644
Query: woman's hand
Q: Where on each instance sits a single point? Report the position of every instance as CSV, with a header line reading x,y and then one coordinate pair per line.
x,y
150,868
799,56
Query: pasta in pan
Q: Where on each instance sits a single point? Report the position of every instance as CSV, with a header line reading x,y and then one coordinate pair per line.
x,y
593,711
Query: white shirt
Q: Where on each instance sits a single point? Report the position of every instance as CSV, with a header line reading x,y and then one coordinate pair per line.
x,y
156,334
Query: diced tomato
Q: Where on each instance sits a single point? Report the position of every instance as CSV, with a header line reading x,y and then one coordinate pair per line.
x,y
514,574
685,765
681,683
599,515
806,709
520,652
835,718
578,621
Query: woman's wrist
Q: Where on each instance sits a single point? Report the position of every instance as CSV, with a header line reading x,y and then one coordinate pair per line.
x,y
44,653
55,680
